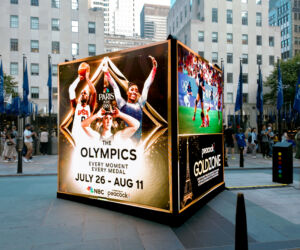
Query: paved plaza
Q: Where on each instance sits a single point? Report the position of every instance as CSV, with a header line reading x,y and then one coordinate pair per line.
x,y
33,218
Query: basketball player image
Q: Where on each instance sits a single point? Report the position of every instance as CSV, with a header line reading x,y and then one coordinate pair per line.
x,y
201,91
84,105
135,101
107,119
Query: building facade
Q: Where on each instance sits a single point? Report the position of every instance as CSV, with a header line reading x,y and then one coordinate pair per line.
x,y
230,31
120,17
38,28
154,22
114,43
286,15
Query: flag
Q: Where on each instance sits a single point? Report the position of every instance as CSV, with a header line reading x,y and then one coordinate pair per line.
x,y
2,110
296,105
49,84
259,94
25,89
239,94
279,89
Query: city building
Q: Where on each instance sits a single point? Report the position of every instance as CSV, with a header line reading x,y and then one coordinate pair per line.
x,y
114,43
62,29
154,21
286,15
120,17
232,31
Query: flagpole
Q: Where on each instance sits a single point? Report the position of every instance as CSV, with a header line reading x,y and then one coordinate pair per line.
x,y
278,110
241,111
49,108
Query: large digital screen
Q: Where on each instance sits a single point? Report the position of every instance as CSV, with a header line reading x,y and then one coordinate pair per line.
x,y
114,130
200,94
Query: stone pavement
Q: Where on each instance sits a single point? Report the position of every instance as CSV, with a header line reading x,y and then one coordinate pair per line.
x,y
33,218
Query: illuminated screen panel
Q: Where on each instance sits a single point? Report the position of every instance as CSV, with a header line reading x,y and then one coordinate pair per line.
x,y
200,93
113,119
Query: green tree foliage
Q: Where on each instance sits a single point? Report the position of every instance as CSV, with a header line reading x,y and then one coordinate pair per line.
x,y
289,72
9,84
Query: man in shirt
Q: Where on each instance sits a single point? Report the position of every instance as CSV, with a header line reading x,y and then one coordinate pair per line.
x,y
28,142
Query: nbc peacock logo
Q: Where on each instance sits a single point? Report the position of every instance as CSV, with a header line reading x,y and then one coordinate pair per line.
x,y
90,189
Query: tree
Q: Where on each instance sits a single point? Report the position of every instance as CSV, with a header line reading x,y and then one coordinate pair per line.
x,y
9,85
289,72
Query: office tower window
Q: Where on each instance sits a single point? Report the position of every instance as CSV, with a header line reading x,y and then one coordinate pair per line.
x,y
244,39
55,47
245,78
271,60
229,16
75,49
201,36
35,69
230,97
14,1
34,2
55,24
55,3
92,27
14,21
214,15
14,44
54,69
75,5
258,2
244,58
214,57
75,26
258,19
54,92
214,37
35,93
14,68
229,77
271,41
245,97
34,46
229,38
244,1
259,59
34,23
92,49
258,40
229,58
244,17
201,53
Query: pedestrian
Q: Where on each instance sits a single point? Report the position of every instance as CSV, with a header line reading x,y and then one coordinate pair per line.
x,y
252,140
297,139
264,142
44,141
28,142
284,136
271,140
248,141
2,142
229,140
10,151
241,140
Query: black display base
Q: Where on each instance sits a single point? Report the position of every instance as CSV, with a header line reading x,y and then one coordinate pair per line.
x,y
173,219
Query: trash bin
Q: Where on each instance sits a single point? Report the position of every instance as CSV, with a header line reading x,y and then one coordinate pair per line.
x,y
283,163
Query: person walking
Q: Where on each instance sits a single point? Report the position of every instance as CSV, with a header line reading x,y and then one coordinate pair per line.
x,y
271,140
252,140
10,151
241,142
28,142
44,141
229,140
264,142
297,140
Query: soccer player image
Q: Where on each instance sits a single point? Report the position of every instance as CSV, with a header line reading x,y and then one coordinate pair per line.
x,y
187,87
107,118
135,101
205,121
201,90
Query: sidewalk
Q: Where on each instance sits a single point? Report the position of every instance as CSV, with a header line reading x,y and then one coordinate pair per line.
x,y
33,218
